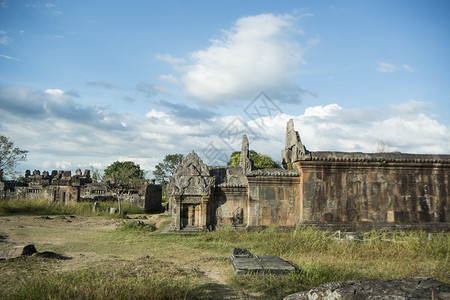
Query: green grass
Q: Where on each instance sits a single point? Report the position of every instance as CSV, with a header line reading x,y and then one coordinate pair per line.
x,y
44,207
115,264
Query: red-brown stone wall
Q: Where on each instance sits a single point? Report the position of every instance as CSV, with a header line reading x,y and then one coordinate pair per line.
x,y
228,207
273,201
383,192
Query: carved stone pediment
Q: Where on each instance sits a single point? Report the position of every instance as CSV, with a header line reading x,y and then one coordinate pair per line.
x,y
191,177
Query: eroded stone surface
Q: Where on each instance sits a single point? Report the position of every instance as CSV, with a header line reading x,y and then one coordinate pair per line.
x,y
404,288
245,162
294,150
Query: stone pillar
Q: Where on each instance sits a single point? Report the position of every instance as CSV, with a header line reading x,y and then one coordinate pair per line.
x,y
177,216
197,213
191,215
203,211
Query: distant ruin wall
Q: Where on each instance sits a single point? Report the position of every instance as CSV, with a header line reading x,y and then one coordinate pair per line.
x,y
62,187
391,188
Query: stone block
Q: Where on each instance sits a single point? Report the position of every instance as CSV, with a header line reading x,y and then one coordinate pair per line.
x,y
243,262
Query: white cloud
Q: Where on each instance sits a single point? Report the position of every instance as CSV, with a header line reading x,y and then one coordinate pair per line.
x,y
334,128
56,92
66,136
407,68
5,40
152,90
156,114
9,57
104,84
96,165
169,58
322,111
385,67
410,109
259,53
169,78
63,165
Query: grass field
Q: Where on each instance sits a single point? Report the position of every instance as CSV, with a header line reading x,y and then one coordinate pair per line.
x,y
131,258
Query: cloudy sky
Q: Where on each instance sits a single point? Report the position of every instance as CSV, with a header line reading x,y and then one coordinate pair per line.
x,y
86,83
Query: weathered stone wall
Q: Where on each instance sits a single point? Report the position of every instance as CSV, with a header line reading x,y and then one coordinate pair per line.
x,y
228,206
61,186
381,188
95,192
273,201
64,194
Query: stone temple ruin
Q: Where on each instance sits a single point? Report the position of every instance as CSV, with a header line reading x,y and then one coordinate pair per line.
x,y
342,190
62,187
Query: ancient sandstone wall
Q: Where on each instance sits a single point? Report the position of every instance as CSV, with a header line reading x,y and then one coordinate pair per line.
x,y
382,188
228,207
273,201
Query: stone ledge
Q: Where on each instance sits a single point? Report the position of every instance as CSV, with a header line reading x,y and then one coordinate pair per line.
x,y
396,157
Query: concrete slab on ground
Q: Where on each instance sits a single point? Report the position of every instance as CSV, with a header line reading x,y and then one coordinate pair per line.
x,y
249,263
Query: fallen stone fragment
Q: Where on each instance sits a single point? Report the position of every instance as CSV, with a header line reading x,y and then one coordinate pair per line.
x,y
404,288
244,262
18,251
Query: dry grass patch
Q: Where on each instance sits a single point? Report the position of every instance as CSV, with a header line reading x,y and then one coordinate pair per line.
x,y
143,278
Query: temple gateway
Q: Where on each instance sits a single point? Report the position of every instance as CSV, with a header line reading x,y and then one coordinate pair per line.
x,y
342,190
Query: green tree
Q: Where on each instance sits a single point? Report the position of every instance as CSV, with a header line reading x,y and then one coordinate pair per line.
x,y
259,160
10,156
165,169
123,176
96,176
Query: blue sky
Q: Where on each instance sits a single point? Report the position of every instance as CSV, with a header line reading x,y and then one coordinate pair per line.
x,y
86,83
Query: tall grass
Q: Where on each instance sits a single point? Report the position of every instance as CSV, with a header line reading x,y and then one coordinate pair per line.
x,y
144,278
321,258
44,207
